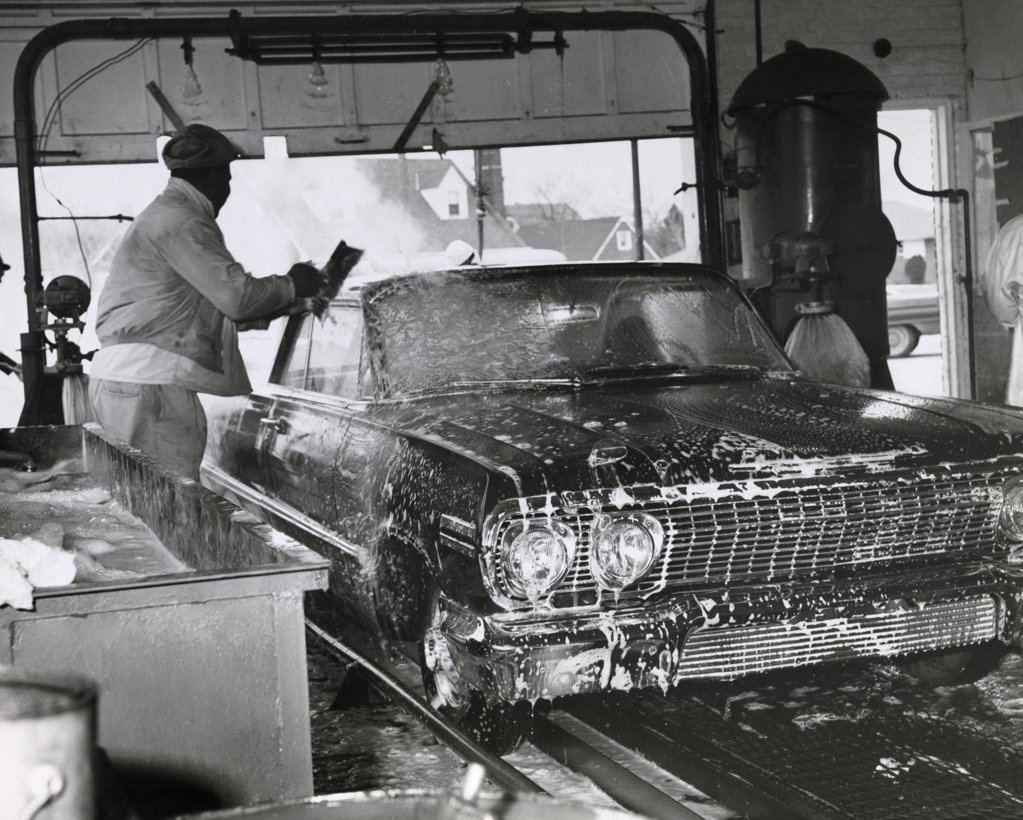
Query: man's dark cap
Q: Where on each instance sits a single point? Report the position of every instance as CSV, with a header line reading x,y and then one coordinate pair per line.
x,y
199,146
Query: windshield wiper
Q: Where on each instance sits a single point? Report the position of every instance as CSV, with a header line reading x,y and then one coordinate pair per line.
x,y
491,384
636,367
647,368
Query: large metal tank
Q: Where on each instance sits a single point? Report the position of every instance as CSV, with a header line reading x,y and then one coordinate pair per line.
x,y
807,168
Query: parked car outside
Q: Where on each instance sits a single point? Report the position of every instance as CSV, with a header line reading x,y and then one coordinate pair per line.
x,y
591,477
912,312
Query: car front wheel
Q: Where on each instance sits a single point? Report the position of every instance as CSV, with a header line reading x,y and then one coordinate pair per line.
x,y
495,724
902,340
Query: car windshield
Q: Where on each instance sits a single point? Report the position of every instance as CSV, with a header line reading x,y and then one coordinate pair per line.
x,y
439,331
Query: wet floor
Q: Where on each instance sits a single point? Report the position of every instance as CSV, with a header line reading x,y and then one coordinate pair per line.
x,y
372,746
378,746
992,706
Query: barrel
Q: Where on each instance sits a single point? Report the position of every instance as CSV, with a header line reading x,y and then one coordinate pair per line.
x,y
47,744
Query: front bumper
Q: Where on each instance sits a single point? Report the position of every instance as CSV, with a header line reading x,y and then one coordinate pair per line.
x,y
731,633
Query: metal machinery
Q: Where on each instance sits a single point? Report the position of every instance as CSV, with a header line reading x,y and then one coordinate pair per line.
x,y
66,298
809,194
59,309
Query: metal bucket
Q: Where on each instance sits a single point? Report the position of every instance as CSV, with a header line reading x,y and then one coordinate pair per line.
x,y
47,744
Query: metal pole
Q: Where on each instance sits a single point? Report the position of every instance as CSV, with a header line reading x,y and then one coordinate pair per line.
x,y
759,29
481,207
708,164
637,200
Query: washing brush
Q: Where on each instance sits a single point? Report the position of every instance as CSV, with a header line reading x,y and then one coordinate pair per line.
x,y
334,273
824,347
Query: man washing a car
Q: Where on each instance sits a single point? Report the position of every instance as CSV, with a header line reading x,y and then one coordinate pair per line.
x,y
167,315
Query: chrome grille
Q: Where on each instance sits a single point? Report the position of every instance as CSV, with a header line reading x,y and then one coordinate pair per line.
x,y
731,652
800,531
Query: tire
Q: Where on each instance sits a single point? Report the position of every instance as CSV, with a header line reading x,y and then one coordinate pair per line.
x,y
401,591
902,340
952,667
495,724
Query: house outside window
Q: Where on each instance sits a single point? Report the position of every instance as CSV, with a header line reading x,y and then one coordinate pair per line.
x,y
454,204
623,239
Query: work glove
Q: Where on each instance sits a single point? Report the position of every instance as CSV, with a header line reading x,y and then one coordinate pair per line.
x,y
295,308
300,306
306,278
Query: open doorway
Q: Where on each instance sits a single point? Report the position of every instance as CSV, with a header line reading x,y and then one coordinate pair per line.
x,y
915,284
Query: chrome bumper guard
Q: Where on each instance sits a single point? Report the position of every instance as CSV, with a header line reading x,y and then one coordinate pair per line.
x,y
727,635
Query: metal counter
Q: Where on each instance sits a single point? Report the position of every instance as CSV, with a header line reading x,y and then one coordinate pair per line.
x,y
201,674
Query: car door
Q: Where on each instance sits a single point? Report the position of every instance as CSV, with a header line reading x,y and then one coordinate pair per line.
x,y
327,454
308,451
241,426
308,421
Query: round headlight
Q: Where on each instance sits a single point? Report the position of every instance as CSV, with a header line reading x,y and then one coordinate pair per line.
x,y
1011,518
536,557
623,548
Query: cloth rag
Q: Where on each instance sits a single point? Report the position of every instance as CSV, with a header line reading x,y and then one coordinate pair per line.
x,y
26,564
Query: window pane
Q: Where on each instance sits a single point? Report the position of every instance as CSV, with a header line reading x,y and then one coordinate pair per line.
x,y
293,370
568,200
671,223
334,357
911,215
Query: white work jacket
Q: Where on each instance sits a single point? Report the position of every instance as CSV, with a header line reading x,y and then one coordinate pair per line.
x,y
1002,283
167,311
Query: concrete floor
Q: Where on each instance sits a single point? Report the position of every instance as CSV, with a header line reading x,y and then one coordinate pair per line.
x,y
920,373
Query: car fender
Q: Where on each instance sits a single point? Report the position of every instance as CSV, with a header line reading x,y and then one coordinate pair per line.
x,y
433,503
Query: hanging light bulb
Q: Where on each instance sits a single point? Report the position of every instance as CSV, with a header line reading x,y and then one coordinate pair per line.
x,y
191,88
317,78
442,75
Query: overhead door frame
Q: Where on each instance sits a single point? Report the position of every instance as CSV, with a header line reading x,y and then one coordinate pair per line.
x,y
521,23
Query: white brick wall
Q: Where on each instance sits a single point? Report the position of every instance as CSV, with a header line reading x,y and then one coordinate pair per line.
x,y
927,58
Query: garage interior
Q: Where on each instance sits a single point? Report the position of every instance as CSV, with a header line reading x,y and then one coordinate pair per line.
x,y
530,133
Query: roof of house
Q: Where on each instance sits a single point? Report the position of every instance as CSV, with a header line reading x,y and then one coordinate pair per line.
x,y
909,221
402,180
580,239
429,173
530,213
